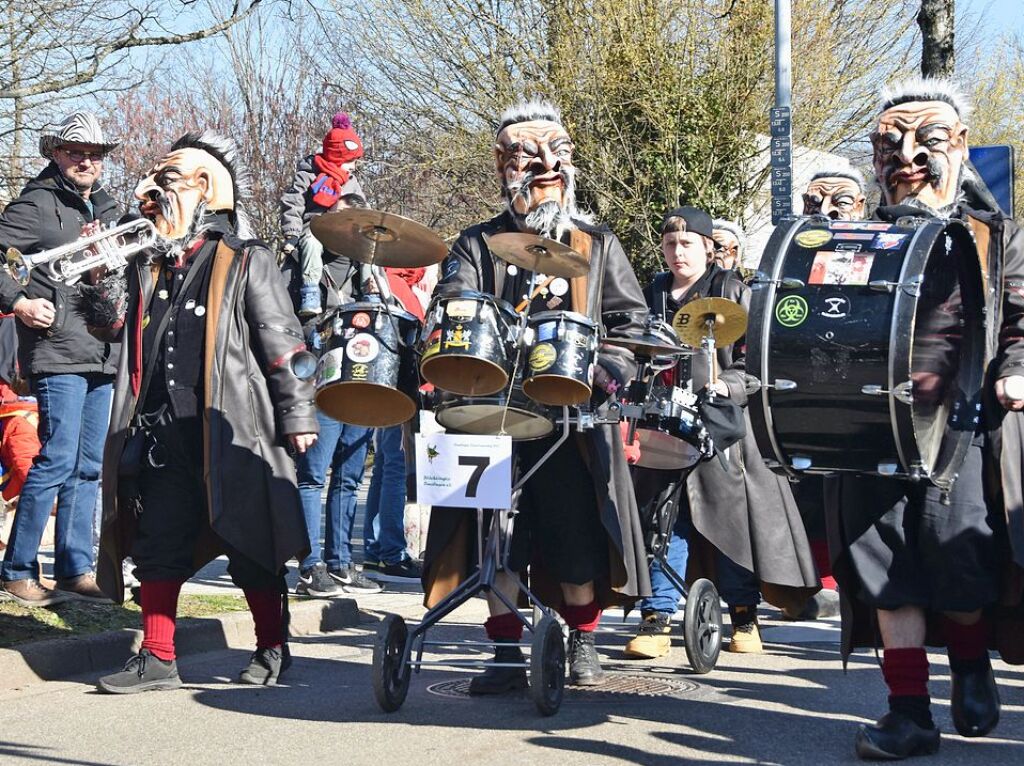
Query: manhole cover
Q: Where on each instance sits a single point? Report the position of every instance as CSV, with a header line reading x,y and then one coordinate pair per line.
x,y
616,688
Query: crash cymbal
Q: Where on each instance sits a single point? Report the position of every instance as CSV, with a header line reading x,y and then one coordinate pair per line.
x,y
649,346
385,239
537,254
730,321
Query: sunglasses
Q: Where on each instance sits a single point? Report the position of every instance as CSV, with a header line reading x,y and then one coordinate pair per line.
x,y
77,155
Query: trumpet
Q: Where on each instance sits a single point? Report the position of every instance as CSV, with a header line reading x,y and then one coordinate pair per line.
x,y
110,247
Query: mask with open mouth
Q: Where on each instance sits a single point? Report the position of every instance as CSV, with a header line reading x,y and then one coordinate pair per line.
x,y
835,195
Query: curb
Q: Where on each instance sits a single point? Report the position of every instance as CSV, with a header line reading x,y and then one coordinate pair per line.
x,y
60,658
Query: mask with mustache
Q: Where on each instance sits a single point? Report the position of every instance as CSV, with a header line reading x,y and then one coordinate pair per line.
x,y
835,197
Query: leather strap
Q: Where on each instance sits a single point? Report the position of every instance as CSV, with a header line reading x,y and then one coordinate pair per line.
x,y
579,287
983,237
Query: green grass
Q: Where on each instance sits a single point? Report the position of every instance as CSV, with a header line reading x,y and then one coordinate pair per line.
x,y
19,624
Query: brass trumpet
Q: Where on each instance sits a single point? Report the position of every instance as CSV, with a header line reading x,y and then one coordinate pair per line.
x,y
110,247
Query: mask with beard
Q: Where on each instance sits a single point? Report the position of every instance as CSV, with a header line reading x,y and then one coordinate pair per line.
x,y
179,190
919,152
534,161
836,197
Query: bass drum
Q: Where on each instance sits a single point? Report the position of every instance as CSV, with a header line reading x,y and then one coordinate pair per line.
x,y
869,342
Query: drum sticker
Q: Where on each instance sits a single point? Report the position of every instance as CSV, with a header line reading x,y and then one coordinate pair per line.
x,y
855,235
840,267
363,348
542,357
451,268
360,371
329,369
547,331
457,338
349,332
559,286
361,320
813,238
460,309
432,349
791,311
888,241
860,225
579,340
835,307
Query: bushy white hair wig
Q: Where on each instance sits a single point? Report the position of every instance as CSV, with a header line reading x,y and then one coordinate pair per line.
x,y
926,89
851,174
733,228
225,151
527,111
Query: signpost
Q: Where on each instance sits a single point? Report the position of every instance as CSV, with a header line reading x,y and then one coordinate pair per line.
x,y
780,118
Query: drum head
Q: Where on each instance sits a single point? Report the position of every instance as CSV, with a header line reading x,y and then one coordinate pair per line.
x,y
486,419
556,390
465,375
365,404
663,452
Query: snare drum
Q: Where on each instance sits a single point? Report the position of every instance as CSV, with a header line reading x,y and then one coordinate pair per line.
x,y
560,359
486,415
671,433
367,364
468,343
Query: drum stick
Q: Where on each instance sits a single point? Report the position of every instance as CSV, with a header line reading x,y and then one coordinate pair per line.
x,y
536,292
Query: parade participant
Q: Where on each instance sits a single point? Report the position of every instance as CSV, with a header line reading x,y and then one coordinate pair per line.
x,y
730,243
837,194
69,371
320,181
924,561
744,511
196,463
578,513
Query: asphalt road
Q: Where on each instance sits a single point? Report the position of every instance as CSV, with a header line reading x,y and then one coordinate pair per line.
x,y
793,705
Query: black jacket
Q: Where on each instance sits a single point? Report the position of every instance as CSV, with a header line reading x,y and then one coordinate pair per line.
x,y
49,213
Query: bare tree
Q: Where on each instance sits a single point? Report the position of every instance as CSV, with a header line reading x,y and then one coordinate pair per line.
x,y
936,20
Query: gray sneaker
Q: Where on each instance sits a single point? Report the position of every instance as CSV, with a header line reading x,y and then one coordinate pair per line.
x,y
316,582
354,581
266,666
142,673
31,592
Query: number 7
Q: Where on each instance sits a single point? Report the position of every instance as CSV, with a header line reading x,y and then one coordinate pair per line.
x,y
481,463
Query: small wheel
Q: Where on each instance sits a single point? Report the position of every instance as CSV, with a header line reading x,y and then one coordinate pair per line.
x,y
547,666
390,674
702,626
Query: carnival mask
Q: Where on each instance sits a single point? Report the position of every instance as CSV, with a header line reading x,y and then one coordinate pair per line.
x,y
727,248
181,184
835,197
919,151
534,161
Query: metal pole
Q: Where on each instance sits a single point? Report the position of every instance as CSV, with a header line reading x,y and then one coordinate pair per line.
x,y
783,53
780,118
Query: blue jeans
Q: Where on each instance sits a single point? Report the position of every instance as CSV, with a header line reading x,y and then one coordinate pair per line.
x,y
736,585
342,448
74,413
384,529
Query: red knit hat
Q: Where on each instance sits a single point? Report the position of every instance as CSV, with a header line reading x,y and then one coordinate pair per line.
x,y
342,144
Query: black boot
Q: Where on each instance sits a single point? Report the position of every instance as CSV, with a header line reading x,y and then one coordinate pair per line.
x,y
896,736
975,699
584,661
499,680
144,672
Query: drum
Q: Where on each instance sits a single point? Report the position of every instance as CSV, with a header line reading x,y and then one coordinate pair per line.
x,y
366,376
868,339
523,419
671,433
560,359
468,343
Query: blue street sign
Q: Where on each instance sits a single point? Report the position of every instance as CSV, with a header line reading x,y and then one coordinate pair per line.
x,y
995,166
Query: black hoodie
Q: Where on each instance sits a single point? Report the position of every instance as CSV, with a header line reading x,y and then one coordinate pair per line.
x,y
48,213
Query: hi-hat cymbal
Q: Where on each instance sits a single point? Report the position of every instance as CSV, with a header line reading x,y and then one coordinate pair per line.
x,y
729,321
383,239
647,345
537,254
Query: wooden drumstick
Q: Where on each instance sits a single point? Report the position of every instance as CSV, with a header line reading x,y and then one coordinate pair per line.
x,y
536,292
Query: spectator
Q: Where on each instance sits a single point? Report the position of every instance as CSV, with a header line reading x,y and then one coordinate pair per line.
x,y
19,418
69,371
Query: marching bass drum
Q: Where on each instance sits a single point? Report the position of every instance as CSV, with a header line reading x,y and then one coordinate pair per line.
x,y
869,341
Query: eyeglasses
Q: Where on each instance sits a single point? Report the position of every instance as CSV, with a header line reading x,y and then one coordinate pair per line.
x,y
77,155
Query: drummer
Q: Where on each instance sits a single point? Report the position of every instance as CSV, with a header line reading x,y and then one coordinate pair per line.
x,y
578,530
732,503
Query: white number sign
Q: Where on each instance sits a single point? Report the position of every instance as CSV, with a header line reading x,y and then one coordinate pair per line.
x,y
464,471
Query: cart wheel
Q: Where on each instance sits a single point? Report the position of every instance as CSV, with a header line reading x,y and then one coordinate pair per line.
x,y
702,626
390,675
547,666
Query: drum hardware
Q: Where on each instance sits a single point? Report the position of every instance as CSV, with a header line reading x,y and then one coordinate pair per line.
x,y
902,392
378,238
534,293
911,287
780,384
649,346
538,254
801,462
789,283
888,468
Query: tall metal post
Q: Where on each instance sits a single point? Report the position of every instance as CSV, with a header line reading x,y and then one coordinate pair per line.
x,y
780,118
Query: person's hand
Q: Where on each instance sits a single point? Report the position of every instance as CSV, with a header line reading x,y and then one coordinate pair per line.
x,y
1010,392
301,442
93,227
37,313
289,245
604,380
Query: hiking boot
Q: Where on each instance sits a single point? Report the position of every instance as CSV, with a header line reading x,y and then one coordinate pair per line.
x,y
746,637
84,588
354,581
266,666
653,638
31,592
142,673
405,570
499,680
584,661
316,582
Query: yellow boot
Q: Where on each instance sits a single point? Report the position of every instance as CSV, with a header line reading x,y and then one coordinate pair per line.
x,y
746,636
653,639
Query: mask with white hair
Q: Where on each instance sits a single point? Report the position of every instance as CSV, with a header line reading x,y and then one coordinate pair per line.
x,y
836,194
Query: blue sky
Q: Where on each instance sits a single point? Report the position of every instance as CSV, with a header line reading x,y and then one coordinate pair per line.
x,y
1000,15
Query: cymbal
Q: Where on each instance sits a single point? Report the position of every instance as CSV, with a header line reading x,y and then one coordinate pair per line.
x,y
649,346
537,254
730,321
383,239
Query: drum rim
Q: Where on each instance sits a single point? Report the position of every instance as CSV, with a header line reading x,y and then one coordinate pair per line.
x,y
648,431
409,399
575,316
441,355
370,307
522,408
454,292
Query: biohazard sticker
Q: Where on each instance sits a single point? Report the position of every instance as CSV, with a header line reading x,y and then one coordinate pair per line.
x,y
362,348
812,238
542,357
791,311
